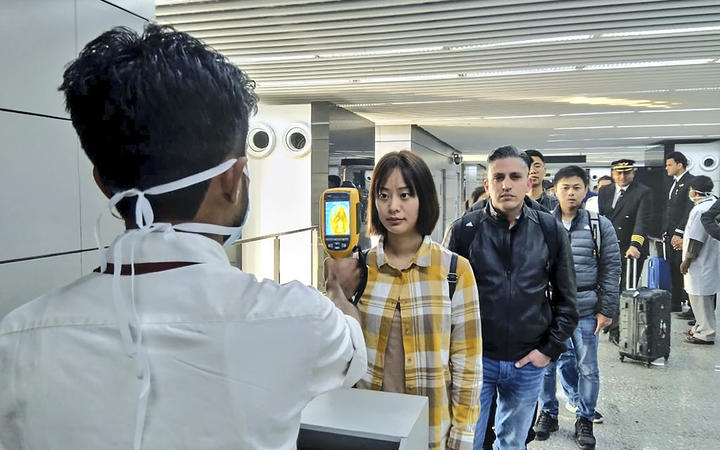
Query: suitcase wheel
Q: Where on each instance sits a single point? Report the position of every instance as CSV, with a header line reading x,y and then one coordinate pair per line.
x,y
647,364
622,358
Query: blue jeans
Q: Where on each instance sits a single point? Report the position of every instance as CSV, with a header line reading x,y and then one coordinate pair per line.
x,y
517,391
579,373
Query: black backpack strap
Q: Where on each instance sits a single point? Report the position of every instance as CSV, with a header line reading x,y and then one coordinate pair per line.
x,y
595,231
362,262
547,224
452,277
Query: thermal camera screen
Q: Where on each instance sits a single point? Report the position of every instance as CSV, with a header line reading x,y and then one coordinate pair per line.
x,y
337,218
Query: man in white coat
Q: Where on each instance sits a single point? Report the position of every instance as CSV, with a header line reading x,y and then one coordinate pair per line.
x,y
166,345
701,264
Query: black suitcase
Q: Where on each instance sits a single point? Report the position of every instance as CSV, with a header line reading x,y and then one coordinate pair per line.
x,y
644,322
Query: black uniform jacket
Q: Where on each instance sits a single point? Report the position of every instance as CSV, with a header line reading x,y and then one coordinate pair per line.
x,y
632,214
678,206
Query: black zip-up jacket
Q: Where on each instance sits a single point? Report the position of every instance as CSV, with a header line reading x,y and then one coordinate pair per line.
x,y
512,269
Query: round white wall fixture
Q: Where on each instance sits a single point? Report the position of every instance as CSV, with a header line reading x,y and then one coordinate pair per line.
x,y
297,139
261,140
709,163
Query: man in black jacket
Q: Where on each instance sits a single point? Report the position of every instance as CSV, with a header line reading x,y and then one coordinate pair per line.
x,y
515,252
537,179
676,215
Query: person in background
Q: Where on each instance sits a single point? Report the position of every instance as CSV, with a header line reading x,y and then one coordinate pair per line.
x,y
597,268
166,345
549,188
333,181
591,203
523,329
538,191
675,218
628,205
421,338
701,264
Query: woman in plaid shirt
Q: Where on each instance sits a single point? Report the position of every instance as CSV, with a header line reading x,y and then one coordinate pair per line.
x,y
419,340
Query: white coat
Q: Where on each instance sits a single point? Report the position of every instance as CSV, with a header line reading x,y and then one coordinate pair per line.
x,y
233,361
703,277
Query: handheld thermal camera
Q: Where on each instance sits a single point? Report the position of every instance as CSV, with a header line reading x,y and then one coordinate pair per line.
x,y
340,221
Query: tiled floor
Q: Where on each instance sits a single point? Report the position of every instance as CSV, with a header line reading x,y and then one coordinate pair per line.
x,y
672,407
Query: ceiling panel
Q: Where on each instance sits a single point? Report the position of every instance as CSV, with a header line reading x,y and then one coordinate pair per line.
x,y
472,71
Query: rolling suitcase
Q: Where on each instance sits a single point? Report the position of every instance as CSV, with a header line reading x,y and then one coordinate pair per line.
x,y
644,322
658,272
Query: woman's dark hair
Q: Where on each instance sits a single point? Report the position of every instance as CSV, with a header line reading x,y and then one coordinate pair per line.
x,y
154,108
571,171
420,182
702,183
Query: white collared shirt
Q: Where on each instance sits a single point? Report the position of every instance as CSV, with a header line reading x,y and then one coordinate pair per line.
x,y
618,189
675,183
234,361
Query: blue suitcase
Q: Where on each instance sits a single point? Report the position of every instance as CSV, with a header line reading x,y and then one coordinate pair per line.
x,y
658,274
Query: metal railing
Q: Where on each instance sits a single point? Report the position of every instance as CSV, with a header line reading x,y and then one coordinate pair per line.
x,y
276,250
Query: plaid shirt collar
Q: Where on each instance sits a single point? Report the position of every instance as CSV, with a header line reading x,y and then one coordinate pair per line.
x,y
421,259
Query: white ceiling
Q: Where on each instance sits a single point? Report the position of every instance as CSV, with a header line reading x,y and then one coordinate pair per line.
x,y
607,78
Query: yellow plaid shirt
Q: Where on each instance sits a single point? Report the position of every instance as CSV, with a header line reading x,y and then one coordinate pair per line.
x,y
441,337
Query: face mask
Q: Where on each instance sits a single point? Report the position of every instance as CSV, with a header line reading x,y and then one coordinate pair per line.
x,y
126,314
237,235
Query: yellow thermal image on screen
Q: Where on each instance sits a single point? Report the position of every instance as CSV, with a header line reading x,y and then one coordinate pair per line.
x,y
339,220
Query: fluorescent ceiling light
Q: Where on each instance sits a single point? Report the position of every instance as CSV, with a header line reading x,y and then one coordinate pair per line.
x,y
495,73
661,31
529,116
272,58
629,138
574,37
671,125
528,71
380,52
355,105
680,110
596,113
474,158
405,78
698,89
633,65
303,83
585,128
434,101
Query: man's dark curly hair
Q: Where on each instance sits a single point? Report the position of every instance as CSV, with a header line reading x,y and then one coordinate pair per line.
x,y
154,108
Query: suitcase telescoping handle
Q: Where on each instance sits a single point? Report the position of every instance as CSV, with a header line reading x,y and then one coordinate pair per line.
x,y
630,280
